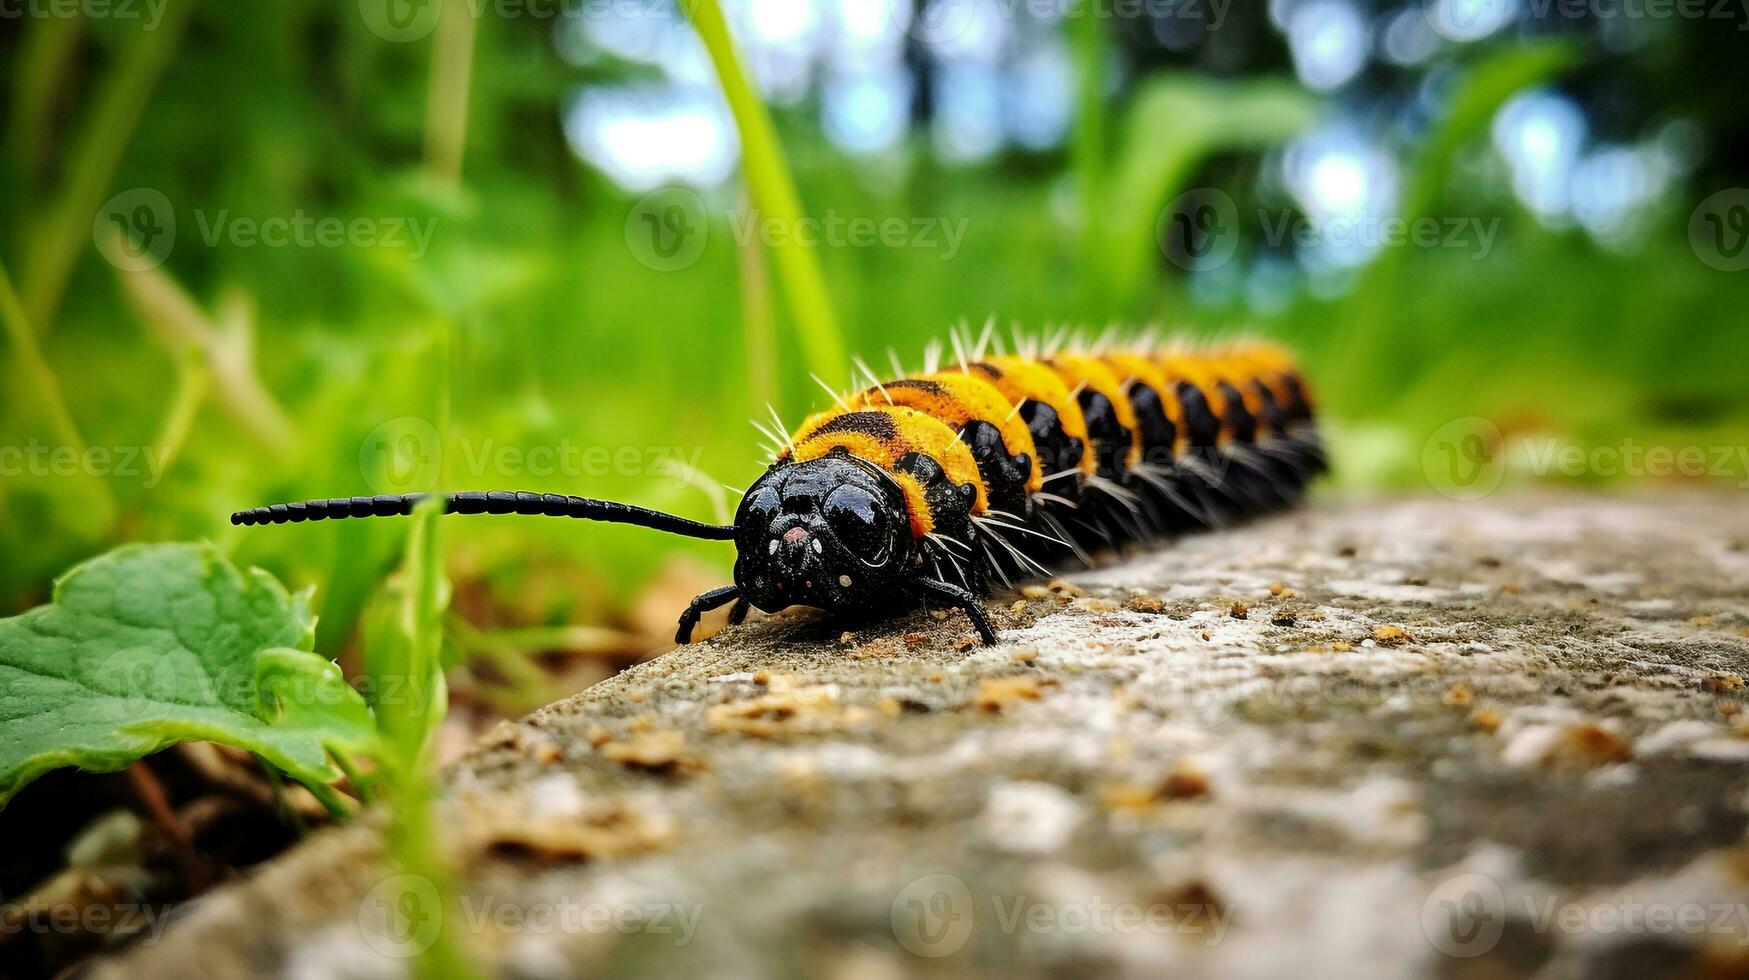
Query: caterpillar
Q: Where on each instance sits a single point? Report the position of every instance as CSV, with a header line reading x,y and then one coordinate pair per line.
x,y
939,484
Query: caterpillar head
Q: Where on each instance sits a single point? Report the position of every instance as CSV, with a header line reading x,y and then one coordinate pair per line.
x,y
832,533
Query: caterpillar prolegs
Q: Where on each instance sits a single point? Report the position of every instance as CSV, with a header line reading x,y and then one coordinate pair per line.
x,y
946,483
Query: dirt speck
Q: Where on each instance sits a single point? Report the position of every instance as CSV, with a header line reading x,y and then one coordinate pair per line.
x,y
1390,635
656,751
1147,604
996,693
1722,683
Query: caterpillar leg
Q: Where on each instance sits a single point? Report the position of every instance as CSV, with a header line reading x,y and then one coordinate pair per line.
x,y
962,598
701,605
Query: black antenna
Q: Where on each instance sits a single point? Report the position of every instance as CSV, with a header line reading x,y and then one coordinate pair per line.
x,y
493,502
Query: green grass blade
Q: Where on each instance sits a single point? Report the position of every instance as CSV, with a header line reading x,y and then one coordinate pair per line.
x,y
93,159
774,196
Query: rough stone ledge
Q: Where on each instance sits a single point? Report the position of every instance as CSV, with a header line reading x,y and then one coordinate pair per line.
x,y
1379,738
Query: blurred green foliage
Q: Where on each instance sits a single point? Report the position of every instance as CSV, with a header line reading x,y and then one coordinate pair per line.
x,y
529,322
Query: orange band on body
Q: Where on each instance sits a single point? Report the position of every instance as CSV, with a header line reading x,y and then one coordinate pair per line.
x,y
957,400
883,436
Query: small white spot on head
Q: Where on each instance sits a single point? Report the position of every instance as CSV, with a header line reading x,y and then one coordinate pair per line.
x,y
773,549
818,547
844,580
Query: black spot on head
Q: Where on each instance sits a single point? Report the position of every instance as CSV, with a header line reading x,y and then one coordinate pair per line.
x,y
878,425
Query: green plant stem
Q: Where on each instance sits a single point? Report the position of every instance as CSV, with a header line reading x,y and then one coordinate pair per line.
x,y
177,323
191,387
48,48
446,93
406,723
757,326
1087,154
774,196
93,159
415,851
287,812
42,379
36,367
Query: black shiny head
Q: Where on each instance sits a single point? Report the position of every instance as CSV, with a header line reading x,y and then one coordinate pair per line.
x,y
832,533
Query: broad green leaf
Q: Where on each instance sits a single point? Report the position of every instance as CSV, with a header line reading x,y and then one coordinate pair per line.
x,y
1174,124
150,645
1486,86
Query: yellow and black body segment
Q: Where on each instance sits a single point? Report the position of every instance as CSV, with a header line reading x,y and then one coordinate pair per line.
x,y
935,486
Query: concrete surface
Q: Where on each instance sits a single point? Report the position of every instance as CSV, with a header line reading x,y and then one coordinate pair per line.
x,y
1392,738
